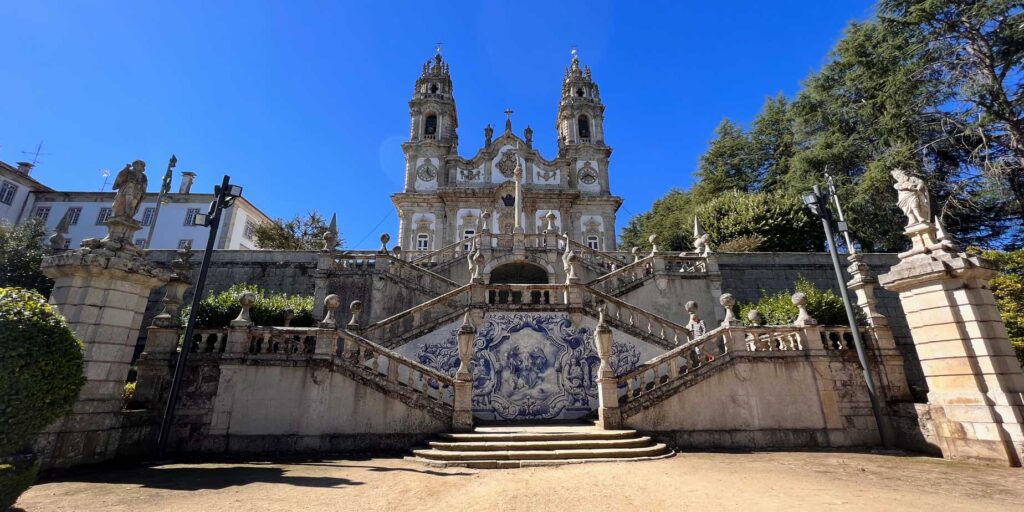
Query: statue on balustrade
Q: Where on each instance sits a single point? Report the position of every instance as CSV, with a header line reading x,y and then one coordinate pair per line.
x,y
912,197
130,185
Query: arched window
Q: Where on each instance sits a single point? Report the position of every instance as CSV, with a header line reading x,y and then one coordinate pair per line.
x,y
430,127
509,200
583,127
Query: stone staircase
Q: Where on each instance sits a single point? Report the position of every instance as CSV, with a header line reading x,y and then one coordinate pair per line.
x,y
518,446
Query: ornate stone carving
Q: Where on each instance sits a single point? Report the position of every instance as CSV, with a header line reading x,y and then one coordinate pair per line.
x,y
426,172
547,174
470,174
507,165
912,197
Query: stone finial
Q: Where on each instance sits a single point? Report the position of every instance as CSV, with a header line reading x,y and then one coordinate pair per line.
x,y
912,197
570,271
488,134
728,302
691,307
183,262
701,240
384,239
331,303
803,319
57,239
467,323
244,319
945,241
528,135
397,251
356,308
485,221
653,239
478,264
754,317
636,254
331,235
550,218
465,338
288,314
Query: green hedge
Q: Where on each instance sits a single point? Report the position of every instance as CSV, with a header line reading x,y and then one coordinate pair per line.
x,y
219,309
778,309
40,367
16,478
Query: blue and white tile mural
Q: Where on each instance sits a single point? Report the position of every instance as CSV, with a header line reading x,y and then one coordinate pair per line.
x,y
530,366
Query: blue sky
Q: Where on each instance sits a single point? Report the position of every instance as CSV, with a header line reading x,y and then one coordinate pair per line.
x,y
305,103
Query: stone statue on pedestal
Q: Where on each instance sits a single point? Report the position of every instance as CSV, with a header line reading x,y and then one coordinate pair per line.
x,y
130,185
912,197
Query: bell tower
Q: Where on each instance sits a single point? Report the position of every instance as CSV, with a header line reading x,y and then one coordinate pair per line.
x,y
580,112
432,133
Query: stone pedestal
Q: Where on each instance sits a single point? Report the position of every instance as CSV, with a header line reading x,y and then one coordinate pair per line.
x,y
609,417
975,381
102,290
156,366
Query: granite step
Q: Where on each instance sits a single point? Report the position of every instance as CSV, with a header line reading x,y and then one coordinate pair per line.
x,y
520,446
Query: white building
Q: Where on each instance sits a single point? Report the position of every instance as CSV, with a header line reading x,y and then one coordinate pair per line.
x,y
22,198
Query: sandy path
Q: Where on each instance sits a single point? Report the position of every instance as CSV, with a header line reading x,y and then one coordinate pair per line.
x,y
689,481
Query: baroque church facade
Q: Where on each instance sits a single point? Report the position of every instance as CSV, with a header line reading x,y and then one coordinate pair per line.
x,y
448,198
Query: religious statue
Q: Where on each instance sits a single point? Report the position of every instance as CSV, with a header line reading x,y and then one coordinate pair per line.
x,y
488,133
130,185
912,197
528,133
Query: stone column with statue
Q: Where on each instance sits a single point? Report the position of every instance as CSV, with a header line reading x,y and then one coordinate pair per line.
x,y
102,289
975,383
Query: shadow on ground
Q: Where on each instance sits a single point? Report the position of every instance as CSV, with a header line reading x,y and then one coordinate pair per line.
x,y
196,478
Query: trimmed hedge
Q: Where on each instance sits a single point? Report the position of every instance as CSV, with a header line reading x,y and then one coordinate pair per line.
x,y
15,478
40,367
219,309
778,309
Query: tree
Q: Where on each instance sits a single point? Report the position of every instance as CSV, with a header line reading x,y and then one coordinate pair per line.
x,y
21,254
1008,288
780,221
728,164
302,233
772,140
671,218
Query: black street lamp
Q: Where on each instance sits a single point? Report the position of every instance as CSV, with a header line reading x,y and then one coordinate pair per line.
x,y
226,194
818,203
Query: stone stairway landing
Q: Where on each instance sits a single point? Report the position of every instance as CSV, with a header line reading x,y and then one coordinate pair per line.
x,y
542,445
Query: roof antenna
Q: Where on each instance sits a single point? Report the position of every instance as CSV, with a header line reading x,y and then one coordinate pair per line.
x,y
35,154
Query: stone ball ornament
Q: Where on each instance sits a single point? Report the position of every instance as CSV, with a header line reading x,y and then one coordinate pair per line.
x,y
754,317
247,299
799,299
727,300
332,301
691,306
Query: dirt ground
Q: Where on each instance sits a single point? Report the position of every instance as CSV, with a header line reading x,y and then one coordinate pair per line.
x,y
688,481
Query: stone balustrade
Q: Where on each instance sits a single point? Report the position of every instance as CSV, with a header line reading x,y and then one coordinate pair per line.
x,y
526,294
390,367
446,255
624,278
392,331
636,321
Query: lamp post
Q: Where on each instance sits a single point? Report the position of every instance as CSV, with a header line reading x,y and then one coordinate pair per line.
x,y
818,203
225,193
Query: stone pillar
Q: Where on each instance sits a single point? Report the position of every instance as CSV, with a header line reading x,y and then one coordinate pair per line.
x,y
102,290
974,380
156,366
462,421
608,415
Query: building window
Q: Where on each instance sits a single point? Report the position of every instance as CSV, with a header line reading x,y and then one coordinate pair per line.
x,y
140,243
7,191
147,216
190,216
184,243
583,123
67,243
250,230
43,213
430,127
104,216
422,242
73,215
592,242
466,235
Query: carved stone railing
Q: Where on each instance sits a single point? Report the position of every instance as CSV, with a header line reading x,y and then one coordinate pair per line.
x,y
671,366
685,264
526,295
393,370
635,320
624,279
209,341
397,329
282,340
598,261
414,276
445,256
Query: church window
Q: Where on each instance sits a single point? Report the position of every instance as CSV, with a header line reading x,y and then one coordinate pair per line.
x,y
592,242
583,123
579,92
433,88
430,128
422,242
466,235
509,200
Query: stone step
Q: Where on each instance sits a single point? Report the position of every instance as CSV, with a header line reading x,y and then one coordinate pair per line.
x,y
494,435
562,455
571,444
512,464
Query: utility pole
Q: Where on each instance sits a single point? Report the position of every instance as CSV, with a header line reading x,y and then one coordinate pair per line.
x,y
225,193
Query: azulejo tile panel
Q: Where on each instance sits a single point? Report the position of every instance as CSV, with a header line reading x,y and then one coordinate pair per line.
x,y
530,366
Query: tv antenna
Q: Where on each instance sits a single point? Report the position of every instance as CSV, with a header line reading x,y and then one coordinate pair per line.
x,y
106,178
36,154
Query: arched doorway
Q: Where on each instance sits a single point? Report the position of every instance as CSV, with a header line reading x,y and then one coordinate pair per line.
x,y
519,272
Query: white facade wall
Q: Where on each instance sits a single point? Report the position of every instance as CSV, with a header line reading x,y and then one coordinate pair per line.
x,y
13,208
